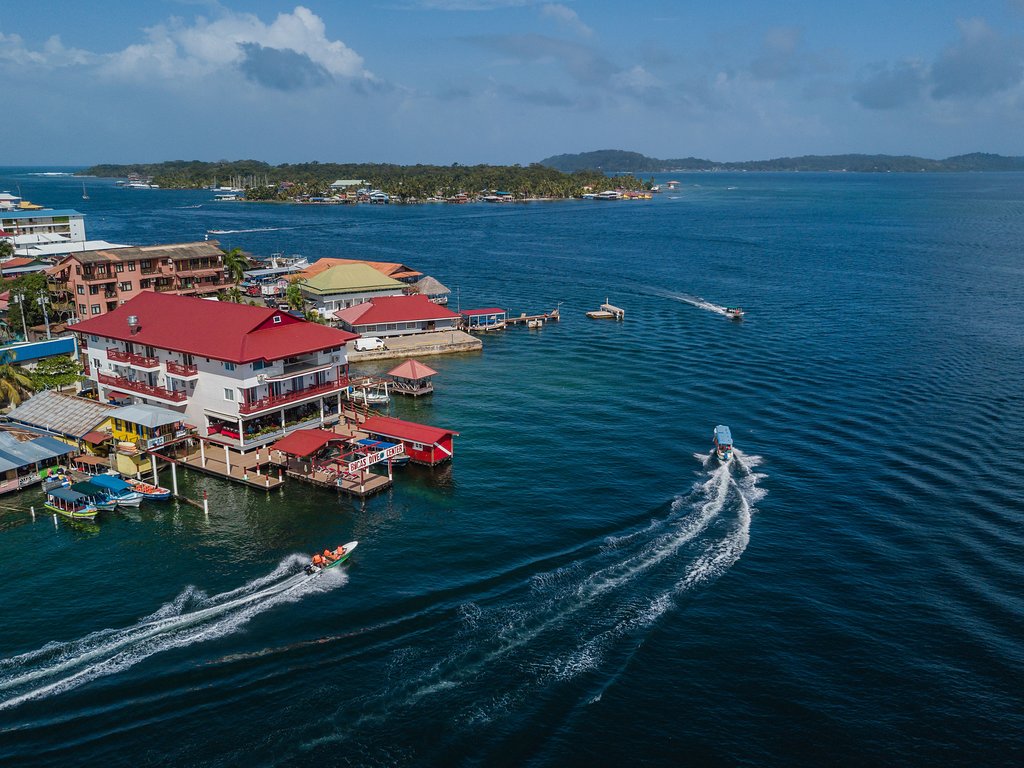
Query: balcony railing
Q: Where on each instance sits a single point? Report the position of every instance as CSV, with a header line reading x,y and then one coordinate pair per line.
x,y
129,358
276,401
178,369
141,388
103,277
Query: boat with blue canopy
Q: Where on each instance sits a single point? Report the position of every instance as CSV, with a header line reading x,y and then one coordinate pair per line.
x,y
723,443
70,503
98,496
119,490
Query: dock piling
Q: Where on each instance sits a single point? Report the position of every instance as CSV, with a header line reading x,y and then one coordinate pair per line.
x,y
174,478
206,504
33,513
55,522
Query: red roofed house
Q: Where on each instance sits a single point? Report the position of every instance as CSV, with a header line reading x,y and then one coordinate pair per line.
x,y
397,316
243,375
423,444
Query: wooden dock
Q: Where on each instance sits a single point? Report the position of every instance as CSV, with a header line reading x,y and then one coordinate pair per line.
x,y
228,464
525,319
607,312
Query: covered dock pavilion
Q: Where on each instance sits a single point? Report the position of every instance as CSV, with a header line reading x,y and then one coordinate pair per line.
x,y
326,459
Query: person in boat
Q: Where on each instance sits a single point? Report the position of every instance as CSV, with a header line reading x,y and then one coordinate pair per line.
x,y
329,556
319,561
339,551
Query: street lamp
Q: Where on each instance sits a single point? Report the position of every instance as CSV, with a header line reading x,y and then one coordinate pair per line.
x,y
43,300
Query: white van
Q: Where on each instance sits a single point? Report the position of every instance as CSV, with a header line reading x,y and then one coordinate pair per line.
x,y
366,343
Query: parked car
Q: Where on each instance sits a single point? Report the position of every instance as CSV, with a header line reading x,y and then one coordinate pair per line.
x,y
367,343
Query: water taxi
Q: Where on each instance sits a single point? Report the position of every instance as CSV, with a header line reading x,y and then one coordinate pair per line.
x,y
723,443
119,490
330,558
97,496
70,504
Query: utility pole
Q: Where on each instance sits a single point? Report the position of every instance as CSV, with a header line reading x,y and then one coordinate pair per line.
x,y
20,299
42,299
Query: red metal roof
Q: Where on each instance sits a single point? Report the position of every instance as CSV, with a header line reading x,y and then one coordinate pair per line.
x,y
394,309
17,261
96,438
303,442
412,369
387,426
486,311
237,333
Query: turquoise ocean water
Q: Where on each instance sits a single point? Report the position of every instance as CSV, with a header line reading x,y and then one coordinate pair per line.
x,y
584,585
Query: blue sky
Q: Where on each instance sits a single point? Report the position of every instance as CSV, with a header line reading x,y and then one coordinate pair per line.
x,y
507,81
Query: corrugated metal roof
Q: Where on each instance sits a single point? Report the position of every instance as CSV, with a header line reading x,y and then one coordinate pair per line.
x,y
349,278
43,213
147,415
64,414
15,453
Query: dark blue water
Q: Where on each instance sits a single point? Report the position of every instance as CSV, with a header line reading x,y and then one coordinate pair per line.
x,y
584,585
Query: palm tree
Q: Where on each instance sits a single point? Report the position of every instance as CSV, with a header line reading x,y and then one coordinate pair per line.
x,y
15,385
293,295
233,294
235,264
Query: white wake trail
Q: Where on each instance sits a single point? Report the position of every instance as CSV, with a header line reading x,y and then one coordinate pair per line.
x,y
57,666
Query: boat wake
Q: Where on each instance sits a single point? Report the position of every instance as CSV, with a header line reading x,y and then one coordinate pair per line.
x,y
694,301
582,617
190,618
241,231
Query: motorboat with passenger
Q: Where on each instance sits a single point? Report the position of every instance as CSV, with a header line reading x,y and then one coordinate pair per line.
x,y
99,497
723,443
330,558
736,313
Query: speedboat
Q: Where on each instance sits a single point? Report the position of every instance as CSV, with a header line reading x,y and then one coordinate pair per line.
x,y
99,497
119,490
330,558
149,491
70,503
736,313
723,443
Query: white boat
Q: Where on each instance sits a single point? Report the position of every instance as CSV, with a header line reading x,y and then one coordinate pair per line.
x,y
736,313
723,443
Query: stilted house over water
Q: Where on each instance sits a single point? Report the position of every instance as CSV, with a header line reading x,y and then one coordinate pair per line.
x,y
423,443
412,378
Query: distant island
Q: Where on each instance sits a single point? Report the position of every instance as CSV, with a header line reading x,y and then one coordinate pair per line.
x,y
618,161
403,183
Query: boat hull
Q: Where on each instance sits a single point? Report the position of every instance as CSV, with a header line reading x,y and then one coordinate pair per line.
x,y
89,513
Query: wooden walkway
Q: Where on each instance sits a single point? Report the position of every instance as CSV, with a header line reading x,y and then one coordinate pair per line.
x,y
245,469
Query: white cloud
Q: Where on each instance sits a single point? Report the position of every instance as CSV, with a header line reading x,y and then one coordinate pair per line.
x,y
53,54
566,16
177,49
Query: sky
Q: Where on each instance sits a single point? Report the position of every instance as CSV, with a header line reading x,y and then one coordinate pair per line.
x,y
506,81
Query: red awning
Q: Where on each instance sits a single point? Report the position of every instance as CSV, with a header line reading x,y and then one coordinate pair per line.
x,y
303,442
96,438
405,430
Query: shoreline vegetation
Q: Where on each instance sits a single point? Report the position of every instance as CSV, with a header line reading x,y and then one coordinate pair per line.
x,y
620,161
403,183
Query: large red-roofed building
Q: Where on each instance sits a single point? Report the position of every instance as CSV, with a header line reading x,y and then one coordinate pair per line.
x,y
243,375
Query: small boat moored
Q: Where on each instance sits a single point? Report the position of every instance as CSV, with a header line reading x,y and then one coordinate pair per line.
x,y
119,490
98,497
330,558
70,503
149,491
723,443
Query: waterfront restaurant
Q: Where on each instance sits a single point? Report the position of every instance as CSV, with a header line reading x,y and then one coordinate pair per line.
x,y
243,375
23,463
346,285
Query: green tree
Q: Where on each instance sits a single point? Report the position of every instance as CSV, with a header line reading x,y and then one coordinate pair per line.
x,y
293,295
55,373
235,264
233,295
6,249
28,287
15,384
